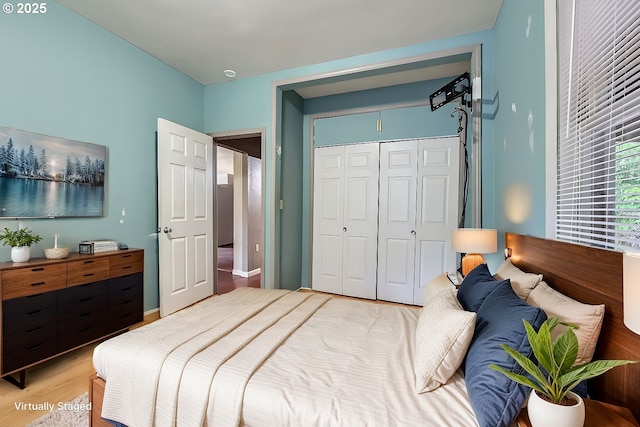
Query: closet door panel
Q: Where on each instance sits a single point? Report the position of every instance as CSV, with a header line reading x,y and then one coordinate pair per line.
x,y
397,217
327,219
360,220
437,209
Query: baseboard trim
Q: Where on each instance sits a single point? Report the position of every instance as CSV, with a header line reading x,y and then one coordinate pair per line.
x,y
246,274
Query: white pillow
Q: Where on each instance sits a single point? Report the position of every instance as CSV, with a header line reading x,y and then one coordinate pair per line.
x,y
443,335
588,318
521,282
437,285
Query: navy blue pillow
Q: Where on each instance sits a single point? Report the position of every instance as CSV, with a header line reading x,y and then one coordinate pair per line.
x,y
475,287
495,399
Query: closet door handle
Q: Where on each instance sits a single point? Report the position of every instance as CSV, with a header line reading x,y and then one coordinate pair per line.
x,y
344,228
413,232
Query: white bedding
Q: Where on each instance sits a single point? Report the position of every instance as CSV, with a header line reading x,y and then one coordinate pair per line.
x,y
326,362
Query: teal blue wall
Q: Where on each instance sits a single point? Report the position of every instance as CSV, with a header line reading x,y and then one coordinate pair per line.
x,y
291,192
519,124
63,76
247,103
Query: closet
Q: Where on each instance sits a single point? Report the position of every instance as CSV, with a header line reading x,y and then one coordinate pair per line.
x,y
383,215
345,219
418,209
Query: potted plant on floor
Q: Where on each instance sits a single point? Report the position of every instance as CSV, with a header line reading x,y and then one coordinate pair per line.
x,y
551,401
20,242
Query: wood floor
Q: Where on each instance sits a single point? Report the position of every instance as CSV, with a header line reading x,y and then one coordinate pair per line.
x,y
228,281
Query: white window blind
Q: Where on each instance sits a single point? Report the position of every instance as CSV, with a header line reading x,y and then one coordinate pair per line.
x,y
598,175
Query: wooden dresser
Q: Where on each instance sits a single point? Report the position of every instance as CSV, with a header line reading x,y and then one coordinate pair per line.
x,y
50,307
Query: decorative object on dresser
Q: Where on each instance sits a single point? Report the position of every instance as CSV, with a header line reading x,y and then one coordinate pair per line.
x,y
552,401
50,307
473,242
20,242
97,246
55,252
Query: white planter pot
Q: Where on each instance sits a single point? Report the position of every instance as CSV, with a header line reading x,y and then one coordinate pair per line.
x,y
544,414
20,254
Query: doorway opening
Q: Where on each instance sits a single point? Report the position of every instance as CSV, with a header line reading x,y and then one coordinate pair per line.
x,y
239,210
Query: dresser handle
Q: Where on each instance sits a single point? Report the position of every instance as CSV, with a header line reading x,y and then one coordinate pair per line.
x,y
85,314
126,256
31,313
33,347
89,274
126,267
37,269
86,299
125,302
34,329
84,330
38,284
126,289
88,261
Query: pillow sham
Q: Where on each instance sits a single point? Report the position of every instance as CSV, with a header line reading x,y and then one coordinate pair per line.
x,y
435,286
587,317
495,399
475,287
521,282
443,334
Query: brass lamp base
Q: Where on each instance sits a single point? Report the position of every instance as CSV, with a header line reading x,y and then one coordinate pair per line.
x,y
471,261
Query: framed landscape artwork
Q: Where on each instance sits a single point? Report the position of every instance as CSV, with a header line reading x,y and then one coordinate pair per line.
x,y
47,177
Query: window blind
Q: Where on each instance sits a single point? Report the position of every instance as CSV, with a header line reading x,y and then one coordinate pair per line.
x,y
598,169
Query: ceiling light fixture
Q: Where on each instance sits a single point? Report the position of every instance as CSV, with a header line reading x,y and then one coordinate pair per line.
x,y
230,73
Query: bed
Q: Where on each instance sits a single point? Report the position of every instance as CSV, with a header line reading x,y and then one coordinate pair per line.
x,y
334,361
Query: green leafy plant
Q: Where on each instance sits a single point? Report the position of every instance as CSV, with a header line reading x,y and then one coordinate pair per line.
x,y
557,358
22,237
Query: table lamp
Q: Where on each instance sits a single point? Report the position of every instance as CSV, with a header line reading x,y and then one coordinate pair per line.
x,y
474,242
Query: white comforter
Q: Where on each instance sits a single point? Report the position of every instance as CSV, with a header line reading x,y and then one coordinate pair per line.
x,y
275,358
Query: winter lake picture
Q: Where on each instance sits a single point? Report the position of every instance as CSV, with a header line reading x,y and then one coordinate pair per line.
x,y
45,177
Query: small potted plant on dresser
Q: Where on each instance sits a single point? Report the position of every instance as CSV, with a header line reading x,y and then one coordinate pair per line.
x,y
552,401
20,242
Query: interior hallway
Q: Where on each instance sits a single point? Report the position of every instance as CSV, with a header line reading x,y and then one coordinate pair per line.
x,y
228,281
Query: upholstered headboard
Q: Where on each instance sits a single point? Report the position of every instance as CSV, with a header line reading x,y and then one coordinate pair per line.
x,y
592,276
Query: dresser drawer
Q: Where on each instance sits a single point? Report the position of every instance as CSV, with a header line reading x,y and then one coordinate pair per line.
x,y
124,288
80,311
126,263
84,294
28,349
85,327
87,271
28,322
33,280
20,306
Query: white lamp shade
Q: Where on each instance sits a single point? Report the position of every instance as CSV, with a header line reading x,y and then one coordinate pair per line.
x,y
474,240
631,290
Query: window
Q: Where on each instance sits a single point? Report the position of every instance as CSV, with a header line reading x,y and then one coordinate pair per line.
x,y
598,164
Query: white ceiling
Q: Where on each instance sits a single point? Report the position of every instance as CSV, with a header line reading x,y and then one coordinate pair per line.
x,y
202,38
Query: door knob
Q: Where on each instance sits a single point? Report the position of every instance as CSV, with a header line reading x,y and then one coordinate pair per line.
x,y
168,230
344,228
413,232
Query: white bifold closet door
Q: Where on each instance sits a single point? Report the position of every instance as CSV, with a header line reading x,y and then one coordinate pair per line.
x,y
345,219
419,199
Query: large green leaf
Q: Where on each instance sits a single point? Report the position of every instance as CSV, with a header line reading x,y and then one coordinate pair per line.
x,y
565,351
527,364
590,370
519,378
541,345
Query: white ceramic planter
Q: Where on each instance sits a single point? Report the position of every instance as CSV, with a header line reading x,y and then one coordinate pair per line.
x,y
545,414
20,254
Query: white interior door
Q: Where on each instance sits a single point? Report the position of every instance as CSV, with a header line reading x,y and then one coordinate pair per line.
x,y
328,189
397,211
185,216
360,226
437,209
